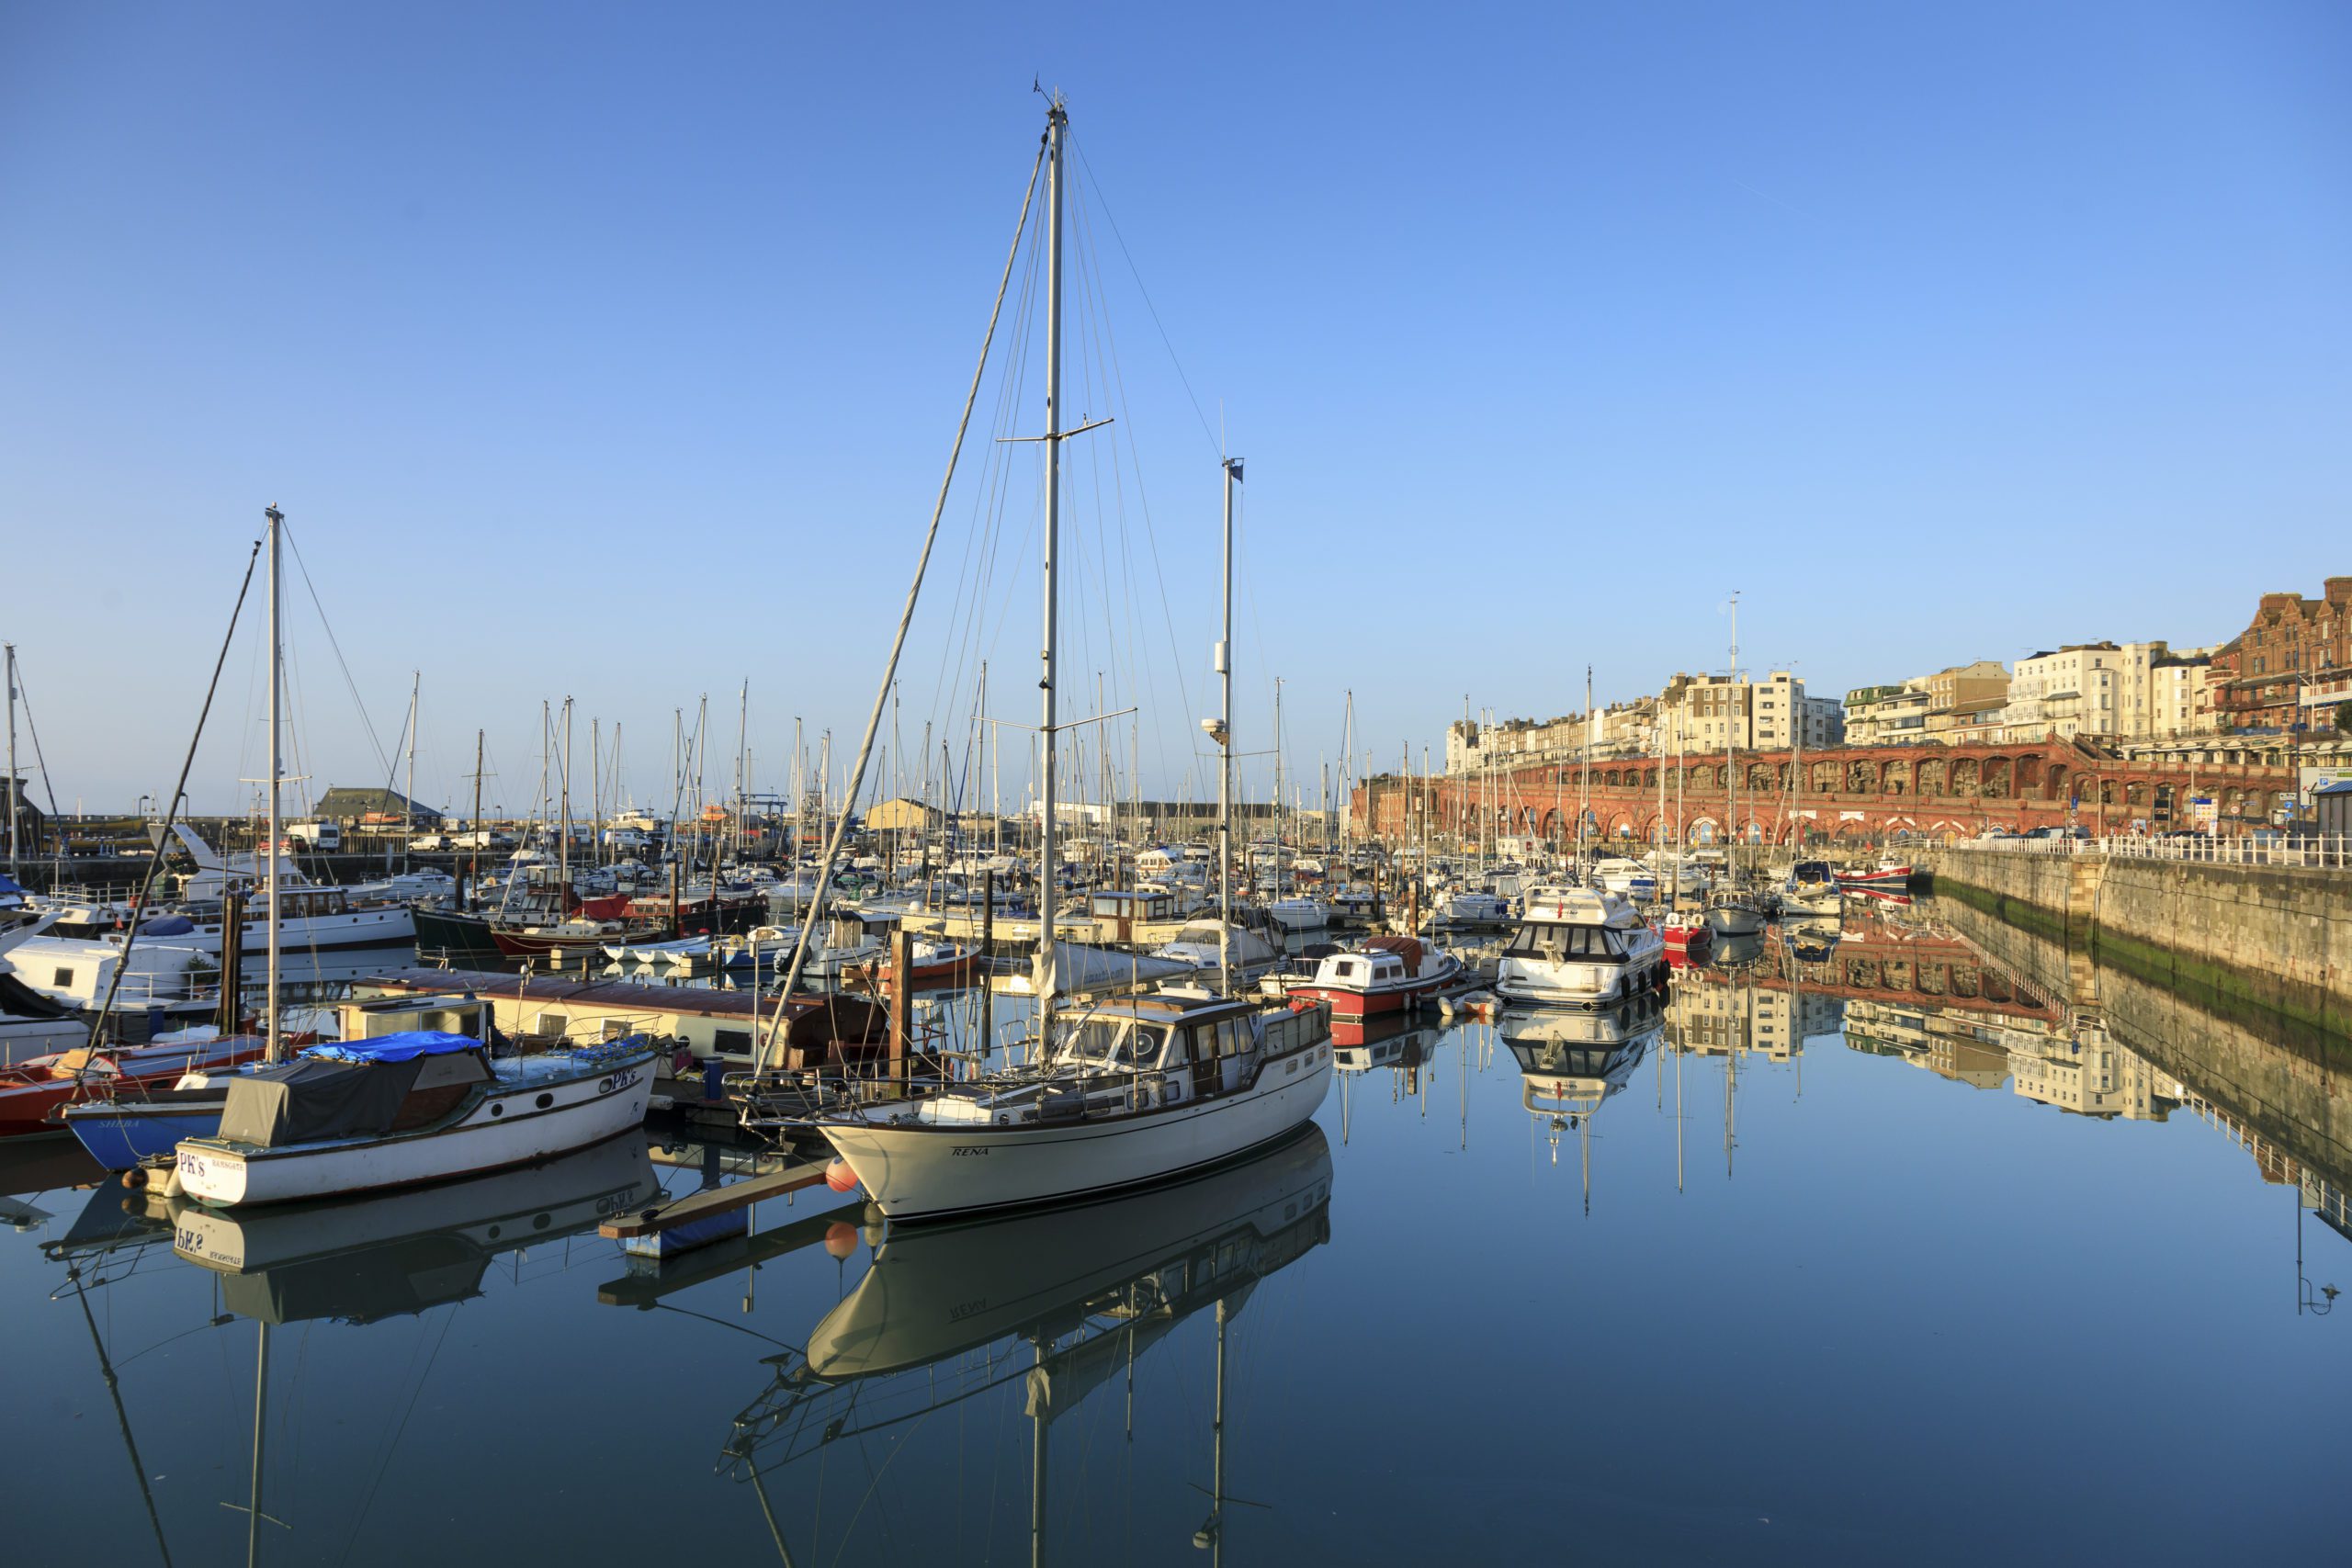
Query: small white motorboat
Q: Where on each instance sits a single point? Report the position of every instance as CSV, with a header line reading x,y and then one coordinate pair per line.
x,y
403,1108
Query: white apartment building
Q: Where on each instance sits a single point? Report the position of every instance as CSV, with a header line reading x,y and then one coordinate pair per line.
x,y
2179,697
1697,712
1707,712
2092,688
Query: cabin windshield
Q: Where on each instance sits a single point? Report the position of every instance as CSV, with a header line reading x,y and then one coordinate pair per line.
x,y
1113,1044
1556,941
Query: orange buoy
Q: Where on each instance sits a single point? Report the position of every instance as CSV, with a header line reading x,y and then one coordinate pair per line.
x,y
839,1176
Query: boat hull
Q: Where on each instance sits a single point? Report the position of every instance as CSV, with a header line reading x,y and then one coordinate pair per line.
x,y
1522,982
933,1172
119,1136
1375,1002
506,1127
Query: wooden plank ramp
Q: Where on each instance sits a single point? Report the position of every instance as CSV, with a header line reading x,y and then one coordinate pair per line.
x,y
715,1213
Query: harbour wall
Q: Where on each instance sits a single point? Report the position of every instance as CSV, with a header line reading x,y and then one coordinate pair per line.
x,y
2252,940
2288,1083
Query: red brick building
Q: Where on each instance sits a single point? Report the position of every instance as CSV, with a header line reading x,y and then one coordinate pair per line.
x,y
1850,795
2259,676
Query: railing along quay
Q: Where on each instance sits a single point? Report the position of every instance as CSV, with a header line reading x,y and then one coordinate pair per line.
x,y
2326,852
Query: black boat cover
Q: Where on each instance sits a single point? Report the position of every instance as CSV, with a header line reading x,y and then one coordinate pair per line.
x,y
307,1100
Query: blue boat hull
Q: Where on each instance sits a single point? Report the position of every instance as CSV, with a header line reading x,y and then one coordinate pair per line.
x,y
121,1139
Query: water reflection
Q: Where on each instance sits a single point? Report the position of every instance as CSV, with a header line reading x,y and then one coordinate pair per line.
x,y
1058,1305
1112,1382
1570,1061
405,1253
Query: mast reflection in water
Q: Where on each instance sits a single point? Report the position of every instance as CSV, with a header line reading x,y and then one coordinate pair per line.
x,y
1058,1304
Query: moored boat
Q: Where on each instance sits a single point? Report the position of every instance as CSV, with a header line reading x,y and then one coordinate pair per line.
x,y
1383,974
1128,1091
33,1093
407,1108
1580,947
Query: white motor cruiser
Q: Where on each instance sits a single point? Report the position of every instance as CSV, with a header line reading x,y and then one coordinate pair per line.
x,y
1196,943
1582,947
1300,912
1129,1091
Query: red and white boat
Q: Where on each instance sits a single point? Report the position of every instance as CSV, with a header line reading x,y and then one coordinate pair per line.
x,y
1686,938
1891,875
930,961
1385,974
32,1090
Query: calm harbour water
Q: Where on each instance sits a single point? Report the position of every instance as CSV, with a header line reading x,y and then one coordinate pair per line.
x,y
1874,1252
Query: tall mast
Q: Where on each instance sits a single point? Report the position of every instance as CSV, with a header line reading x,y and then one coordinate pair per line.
x,y
702,752
14,870
1225,751
1674,876
996,770
408,799
1584,789
563,844
275,1050
799,793
1278,786
1048,866
742,764
476,836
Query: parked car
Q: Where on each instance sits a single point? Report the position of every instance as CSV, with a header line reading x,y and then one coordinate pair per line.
x,y
324,837
431,842
483,839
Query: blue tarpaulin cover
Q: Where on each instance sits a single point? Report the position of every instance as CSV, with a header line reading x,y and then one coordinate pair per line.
x,y
403,1047
168,925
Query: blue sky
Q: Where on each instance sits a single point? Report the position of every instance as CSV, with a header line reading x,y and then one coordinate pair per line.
x,y
613,351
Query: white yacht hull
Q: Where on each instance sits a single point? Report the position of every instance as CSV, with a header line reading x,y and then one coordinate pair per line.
x,y
1573,984
1300,914
389,925
919,1172
1734,922
506,1127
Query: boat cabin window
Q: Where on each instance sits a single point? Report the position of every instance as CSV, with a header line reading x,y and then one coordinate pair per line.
x,y
1227,1037
1116,1043
1564,942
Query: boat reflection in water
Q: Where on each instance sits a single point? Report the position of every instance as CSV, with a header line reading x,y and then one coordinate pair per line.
x,y
1396,1041
364,1258
1060,1302
1570,1063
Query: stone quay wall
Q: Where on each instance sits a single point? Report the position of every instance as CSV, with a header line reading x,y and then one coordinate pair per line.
x,y
2276,939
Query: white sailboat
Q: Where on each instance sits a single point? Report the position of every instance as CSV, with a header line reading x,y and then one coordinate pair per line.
x,y
1125,1091
404,1099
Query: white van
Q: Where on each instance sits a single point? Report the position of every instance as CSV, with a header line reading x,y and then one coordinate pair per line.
x,y
324,836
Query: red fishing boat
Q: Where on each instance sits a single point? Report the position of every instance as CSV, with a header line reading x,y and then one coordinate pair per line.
x,y
931,961
1385,974
32,1089
1686,941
